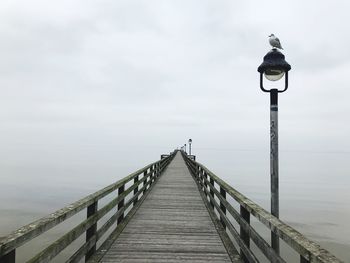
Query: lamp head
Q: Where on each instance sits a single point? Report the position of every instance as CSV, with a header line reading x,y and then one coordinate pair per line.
x,y
274,67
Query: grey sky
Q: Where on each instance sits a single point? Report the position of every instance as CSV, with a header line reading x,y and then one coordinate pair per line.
x,y
91,81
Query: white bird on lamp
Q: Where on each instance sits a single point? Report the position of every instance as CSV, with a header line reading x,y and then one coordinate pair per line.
x,y
274,41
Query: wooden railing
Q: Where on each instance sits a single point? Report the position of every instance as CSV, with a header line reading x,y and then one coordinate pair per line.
x,y
216,190
127,197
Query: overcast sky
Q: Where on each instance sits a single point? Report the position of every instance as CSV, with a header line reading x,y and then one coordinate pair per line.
x,y
93,81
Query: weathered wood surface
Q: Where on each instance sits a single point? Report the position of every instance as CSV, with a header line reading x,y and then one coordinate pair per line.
x,y
309,251
172,225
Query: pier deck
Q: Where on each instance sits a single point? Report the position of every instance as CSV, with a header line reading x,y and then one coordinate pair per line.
x,y
172,224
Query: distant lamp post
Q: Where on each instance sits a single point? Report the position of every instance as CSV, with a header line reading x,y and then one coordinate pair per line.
x,y
274,67
189,145
185,148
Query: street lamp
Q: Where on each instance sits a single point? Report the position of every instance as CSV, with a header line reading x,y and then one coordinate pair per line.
x,y
274,67
185,148
189,145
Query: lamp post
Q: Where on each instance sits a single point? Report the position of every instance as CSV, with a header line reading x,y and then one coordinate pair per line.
x,y
274,67
189,145
185,148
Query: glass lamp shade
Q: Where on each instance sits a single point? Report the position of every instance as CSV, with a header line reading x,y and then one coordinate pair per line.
x,y
274,65
273,74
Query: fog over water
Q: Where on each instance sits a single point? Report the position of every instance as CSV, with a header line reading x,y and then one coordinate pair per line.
x,y
90,91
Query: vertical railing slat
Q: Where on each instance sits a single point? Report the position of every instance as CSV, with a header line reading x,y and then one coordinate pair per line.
x,y
136,179
9,257
205,182
198,173
152,175
91,231
211,192
222,206
145,181
245,215
121,204
303,260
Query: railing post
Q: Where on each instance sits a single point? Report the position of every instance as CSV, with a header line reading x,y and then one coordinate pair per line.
x,y
136,179
91,231
161,166
145,181
205,182
155,174
245,215
303,260
121,204
212,192
199,172
222,206
151,176
9,257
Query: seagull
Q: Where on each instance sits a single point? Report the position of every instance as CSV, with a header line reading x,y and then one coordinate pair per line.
x,y
274,41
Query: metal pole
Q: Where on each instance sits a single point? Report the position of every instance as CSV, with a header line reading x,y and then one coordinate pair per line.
x,y
274,163
190,148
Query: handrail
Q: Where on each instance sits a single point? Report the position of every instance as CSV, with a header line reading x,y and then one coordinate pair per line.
x,y
308,250
11,242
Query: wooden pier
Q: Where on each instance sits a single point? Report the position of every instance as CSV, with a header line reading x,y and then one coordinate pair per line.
x,y
172,225
173,210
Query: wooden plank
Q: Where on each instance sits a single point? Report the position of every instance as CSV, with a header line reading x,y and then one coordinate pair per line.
x,y
172,225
